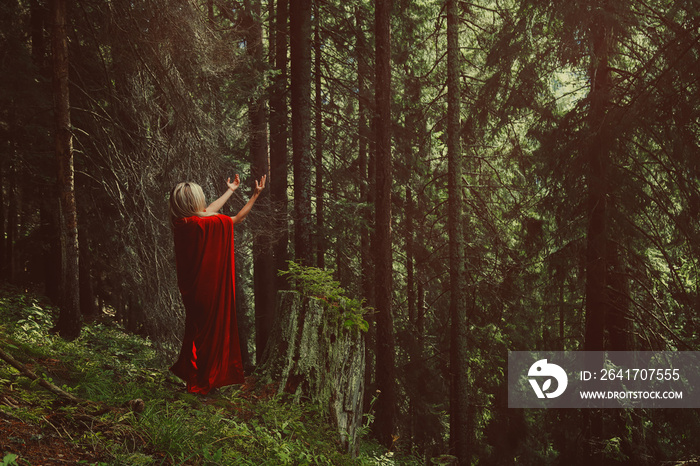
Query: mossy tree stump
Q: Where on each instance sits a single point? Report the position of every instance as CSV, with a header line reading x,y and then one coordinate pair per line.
x,y
314,356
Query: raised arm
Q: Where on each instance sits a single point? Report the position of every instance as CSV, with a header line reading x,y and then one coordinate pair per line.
x,y
219,203
238,218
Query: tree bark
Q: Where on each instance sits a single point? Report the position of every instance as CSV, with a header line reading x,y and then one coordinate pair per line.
x,y
367,179
246,325
597,158
618,290
365,167
263,260
598,189
48,207
69,322
278,140
37,20
385,370
300,45
313,356
410,281
4,259
86,293
460,429
24,370
318,124
11,220
13,202
411,155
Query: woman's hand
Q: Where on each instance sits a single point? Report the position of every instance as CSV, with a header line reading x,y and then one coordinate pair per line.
x,y
259,186
236,183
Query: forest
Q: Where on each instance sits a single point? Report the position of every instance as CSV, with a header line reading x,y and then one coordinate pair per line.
x,y
484,176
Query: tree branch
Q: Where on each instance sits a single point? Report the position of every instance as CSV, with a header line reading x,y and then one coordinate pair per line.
x,y
24,370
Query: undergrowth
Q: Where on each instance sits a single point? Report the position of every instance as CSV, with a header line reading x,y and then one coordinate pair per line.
x,y
314,282
243,425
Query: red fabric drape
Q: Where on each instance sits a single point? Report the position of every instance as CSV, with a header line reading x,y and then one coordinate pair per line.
x,y
211,354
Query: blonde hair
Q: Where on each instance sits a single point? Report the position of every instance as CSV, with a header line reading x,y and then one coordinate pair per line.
x,y
186,200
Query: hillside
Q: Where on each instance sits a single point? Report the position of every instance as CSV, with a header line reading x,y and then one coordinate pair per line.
x,y
126,407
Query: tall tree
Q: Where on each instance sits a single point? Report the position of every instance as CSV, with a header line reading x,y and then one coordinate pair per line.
x,y
279,135
320,240
69,323
385,370
598,154
460,430
365,158
48,212
263,260
300,54
598,157
366,178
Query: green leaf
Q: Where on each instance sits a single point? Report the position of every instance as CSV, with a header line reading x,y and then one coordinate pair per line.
x,y
10,459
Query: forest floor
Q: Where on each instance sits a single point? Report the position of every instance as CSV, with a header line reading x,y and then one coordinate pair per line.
x,y
115,403
60,432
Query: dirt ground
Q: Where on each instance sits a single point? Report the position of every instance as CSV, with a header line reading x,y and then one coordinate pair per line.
x,y
54,437
42,444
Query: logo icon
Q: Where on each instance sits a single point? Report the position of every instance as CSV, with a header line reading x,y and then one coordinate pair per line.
x,y
542,368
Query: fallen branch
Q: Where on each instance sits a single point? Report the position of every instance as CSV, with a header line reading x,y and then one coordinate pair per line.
x,y
24,370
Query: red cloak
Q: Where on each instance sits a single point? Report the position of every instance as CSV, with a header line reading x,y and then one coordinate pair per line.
x,y
211,354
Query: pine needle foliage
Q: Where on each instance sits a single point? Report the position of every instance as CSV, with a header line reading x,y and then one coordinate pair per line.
x,y
318,283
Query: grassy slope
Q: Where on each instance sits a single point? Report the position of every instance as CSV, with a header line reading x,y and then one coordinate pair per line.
x,y
110,369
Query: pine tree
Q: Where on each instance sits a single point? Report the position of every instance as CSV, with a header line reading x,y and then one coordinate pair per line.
x,y
69,321
460,428
385,369
300,44
279,135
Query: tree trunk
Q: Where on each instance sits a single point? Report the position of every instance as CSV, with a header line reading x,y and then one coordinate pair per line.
x,y
48,207
246,326
263,259
27,372
69,323
318,123
300,42
87,293
414,407
37,19
598,153
385,370
412,156
460,429
13,201
366,177
4,230
366,173
313,355
598,189
12,221
410,282
618,289
278,141
51,257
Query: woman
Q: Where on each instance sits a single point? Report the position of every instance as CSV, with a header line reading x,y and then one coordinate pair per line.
x,y
211,354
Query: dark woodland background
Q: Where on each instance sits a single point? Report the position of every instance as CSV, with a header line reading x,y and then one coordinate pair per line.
x,y
488,176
